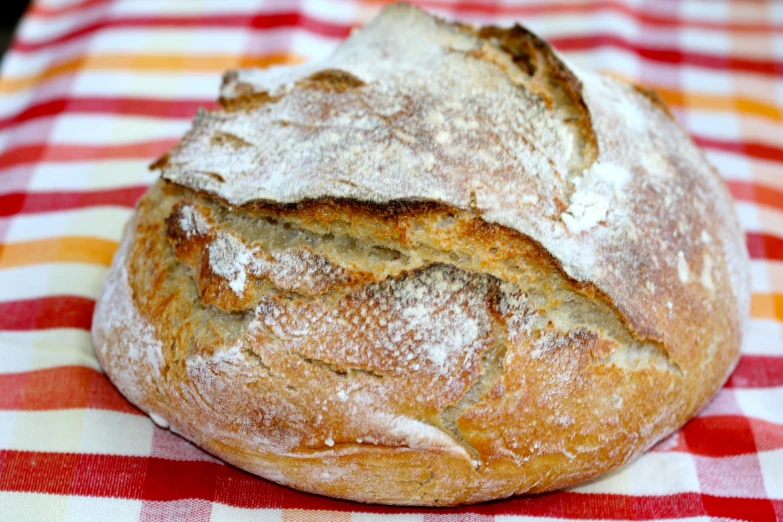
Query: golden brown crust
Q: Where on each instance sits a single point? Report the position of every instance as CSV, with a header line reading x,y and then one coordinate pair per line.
x,y
279,399
369,333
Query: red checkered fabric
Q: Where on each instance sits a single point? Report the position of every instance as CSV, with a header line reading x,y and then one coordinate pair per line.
x,y
92,90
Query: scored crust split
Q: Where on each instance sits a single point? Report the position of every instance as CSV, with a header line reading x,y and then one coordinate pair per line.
x,y
439,267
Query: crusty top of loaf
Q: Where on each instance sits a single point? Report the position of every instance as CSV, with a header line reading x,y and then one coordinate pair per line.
x,y
493,121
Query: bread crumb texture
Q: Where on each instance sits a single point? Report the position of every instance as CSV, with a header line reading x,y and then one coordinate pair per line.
x,y
440,267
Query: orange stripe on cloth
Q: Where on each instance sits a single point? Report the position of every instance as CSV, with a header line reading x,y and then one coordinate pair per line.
x,y
695,100
63,387
717,103
766,306
76,152
146,63
756,193
69,249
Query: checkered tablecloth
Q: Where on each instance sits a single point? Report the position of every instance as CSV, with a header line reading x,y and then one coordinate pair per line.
x,y
93,90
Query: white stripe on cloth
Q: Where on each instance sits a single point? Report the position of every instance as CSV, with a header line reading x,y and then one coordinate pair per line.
x,y
742,168
88,175
732,127
674,76
100,222
405,517
761,403
224,513
45,279
757,218
655,473
35,507
77,431
41,349
772,470
766,276
78,176
157,85
763,337
104,129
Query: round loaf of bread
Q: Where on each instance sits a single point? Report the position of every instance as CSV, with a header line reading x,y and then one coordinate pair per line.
x,y
440,267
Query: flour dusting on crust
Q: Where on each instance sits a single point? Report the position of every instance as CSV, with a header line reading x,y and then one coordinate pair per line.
x,y
192,222
229,258
419,98
433,322
298,269
140,350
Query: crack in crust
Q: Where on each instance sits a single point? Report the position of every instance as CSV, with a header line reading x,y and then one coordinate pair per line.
x,y
332,80
516,309
340,370
551,80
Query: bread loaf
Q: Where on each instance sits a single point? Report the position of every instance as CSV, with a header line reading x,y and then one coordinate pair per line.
x,y
440,267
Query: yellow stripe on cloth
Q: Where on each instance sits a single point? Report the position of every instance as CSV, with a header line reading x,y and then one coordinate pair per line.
x,y
59,249
695,100
766,306
146,62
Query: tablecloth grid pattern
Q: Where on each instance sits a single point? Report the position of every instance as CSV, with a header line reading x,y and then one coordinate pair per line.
x,y
92,90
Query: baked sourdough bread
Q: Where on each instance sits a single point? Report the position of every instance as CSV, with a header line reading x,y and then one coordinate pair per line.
x,y
440,267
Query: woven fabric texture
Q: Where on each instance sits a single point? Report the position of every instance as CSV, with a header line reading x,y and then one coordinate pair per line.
x,y
92,91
